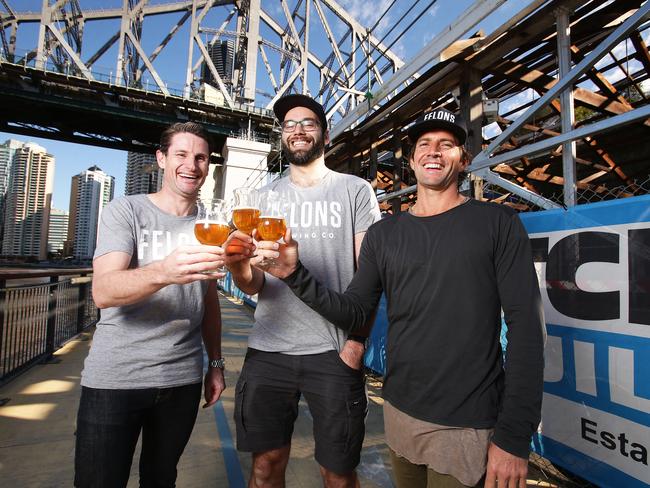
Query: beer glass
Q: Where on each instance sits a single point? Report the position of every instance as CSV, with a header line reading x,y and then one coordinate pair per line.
x,y
271,225
211,226
247,209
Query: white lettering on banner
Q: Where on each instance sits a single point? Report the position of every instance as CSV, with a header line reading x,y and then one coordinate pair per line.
x,y
620,365
621,380
616,441
585,368
553,361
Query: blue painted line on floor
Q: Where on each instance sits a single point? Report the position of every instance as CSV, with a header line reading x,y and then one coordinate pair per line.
x,y
233,467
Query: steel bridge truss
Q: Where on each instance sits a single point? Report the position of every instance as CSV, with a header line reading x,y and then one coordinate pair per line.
x,y
574,78
301,46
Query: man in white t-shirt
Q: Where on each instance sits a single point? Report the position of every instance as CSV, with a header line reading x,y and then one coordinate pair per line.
x,y
144,372
292,349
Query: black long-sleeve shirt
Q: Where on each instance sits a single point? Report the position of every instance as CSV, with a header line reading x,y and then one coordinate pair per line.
x,y
446,279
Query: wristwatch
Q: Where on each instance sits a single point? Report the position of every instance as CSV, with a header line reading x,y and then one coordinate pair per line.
x,y
217,363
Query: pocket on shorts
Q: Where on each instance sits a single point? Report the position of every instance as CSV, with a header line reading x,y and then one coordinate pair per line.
x,y
342,364
357,411
240,392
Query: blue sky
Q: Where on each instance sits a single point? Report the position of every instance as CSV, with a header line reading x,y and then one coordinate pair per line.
x,y
73,158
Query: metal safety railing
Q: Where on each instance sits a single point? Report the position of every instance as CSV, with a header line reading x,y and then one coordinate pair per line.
x,y
109,78
36,319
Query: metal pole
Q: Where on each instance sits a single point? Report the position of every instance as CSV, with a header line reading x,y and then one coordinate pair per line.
x,y
396,203
372,171
81,304
3,305
566,105
51,318
471,110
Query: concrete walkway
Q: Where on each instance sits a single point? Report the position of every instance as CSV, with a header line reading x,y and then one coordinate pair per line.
x,y
37,426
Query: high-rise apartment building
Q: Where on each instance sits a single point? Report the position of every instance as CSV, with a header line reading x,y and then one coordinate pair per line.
x,y
58,231
142,174
222,55
29,174
7,151
90,191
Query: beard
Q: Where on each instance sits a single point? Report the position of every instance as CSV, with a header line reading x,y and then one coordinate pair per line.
x,y
301,157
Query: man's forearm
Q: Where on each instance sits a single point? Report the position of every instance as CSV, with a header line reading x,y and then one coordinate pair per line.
x,y
126,287
211,323
346,311
248,278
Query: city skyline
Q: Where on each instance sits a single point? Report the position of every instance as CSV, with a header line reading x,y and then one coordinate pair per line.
x,y
72,159
27,194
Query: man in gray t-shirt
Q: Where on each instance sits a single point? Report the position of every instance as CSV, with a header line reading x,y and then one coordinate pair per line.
x,y
145,367
292,349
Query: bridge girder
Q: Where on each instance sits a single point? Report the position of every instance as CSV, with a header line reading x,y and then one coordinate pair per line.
x,y
302,44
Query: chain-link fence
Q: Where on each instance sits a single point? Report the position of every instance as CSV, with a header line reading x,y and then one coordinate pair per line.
x,y
590,194
602,193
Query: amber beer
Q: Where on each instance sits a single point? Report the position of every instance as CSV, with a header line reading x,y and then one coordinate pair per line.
x,y
211,233
246,218
271,228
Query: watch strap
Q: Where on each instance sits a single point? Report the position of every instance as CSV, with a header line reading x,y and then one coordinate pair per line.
x,y
217,363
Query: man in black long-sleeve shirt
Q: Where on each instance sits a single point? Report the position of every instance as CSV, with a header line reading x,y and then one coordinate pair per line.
x,y
453,412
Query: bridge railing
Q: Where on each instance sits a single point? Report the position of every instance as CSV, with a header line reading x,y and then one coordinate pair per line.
x,y
107,76
37,318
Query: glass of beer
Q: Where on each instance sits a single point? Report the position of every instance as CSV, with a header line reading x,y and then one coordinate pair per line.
x,y
247,209
211,226
271,224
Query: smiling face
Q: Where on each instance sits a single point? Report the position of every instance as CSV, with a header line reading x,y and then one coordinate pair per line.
x,y
437,160
301,147
185,164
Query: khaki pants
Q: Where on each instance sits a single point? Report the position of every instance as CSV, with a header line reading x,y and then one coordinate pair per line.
x,y
409,475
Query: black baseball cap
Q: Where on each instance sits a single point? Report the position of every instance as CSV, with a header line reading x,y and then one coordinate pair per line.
x,y
439,118
286,103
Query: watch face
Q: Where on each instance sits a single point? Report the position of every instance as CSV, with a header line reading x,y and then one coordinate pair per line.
x,y
217,363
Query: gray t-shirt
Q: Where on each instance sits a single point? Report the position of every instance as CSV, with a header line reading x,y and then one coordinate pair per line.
x,y
324,219
157,341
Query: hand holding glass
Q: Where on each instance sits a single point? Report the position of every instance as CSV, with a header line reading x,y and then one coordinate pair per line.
x,y
271,225
211,226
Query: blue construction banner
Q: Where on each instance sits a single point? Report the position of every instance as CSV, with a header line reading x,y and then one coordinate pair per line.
x,y
593,263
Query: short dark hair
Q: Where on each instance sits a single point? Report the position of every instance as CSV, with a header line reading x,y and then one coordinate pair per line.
x,y
180,127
